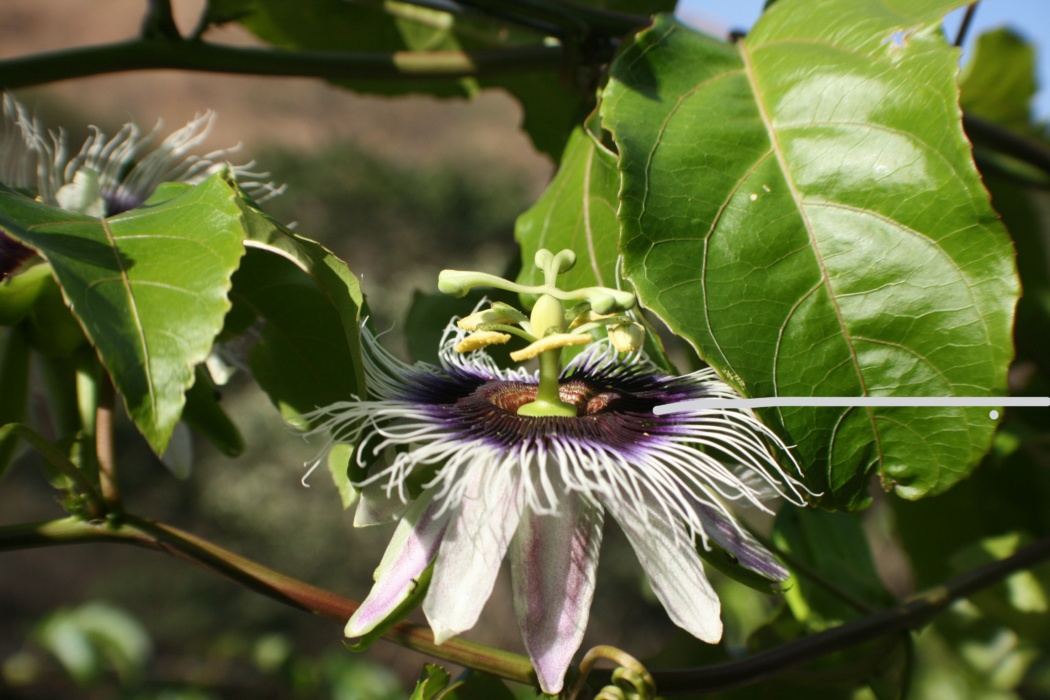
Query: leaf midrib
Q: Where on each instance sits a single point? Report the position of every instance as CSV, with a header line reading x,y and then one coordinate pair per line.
x,y
749,72
136,319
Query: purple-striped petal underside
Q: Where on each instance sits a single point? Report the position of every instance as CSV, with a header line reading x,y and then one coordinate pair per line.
x,y
411,549
468,561
553,562
740,543
666,551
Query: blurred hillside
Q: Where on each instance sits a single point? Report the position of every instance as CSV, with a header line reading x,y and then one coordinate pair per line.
x,y
297,113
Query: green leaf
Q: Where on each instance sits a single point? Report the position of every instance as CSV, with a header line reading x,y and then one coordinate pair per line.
x,y
802,207
53,330
432,680
998,83
95,636
336,25
1022,600
1019,191
302,359
148,286
833,573
310,349
1004,495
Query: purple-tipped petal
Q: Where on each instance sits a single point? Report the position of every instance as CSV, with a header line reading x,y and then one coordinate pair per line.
x,y
413,546
553,562
738,542
673,567
477,538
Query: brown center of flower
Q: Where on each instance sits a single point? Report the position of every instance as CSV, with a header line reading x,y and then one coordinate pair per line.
x,y
588,401
610,416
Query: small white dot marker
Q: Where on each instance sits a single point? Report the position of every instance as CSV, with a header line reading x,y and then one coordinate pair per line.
x,y
993,414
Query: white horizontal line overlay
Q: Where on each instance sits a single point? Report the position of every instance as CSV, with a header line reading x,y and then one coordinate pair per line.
x,y
854,402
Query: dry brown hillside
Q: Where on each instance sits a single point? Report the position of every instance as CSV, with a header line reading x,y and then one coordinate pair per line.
x,y
296,112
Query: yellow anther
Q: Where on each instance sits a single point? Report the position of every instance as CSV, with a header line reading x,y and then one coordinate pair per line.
x,y
476,341
550,342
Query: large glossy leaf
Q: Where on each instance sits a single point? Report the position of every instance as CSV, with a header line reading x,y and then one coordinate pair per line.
x,y
148,286
803,208
577,211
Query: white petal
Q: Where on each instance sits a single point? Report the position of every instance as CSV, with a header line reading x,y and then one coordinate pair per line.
x,y
473,547
413,546
553,564
673,567
375,507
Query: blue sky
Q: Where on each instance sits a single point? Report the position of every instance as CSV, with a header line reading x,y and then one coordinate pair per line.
x,y
1030,18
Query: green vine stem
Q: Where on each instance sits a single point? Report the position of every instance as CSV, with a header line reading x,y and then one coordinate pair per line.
x,y
104,450
802,569
907,616
96,503
129,529
714,677
152,53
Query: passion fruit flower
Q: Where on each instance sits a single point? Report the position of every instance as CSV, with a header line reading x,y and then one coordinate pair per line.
x,y
476,460
108,176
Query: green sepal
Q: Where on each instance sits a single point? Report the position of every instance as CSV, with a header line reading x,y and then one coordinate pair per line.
x,y
414,598
723,560
207,418
19,292
833,574
53,329
14,389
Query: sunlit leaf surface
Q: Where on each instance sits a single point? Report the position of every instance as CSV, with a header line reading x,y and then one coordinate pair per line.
x,y
148,286
803,208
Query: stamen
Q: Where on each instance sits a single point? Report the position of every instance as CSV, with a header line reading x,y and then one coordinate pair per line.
x,y
480,339
550,342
